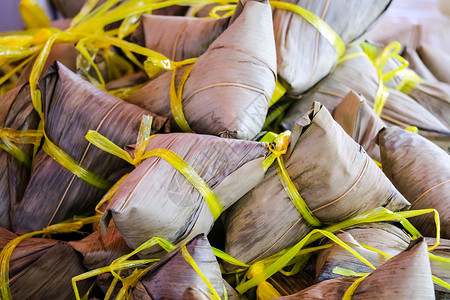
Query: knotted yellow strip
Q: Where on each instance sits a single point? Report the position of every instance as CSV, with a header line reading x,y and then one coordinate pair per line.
x,y
328,33
281,145
391,51
6,253
212,199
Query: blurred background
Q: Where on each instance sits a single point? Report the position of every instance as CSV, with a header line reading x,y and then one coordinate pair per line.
x,y
413,11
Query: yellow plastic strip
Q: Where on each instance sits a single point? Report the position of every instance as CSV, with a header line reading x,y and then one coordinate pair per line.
x,y
281,145
228,258
279,91
328,33
39,66
269,137
412,129
32,14
381,95
228,8
70,164
176,101
276,114
194,265
83,51
15,152
143,136
85,10
111,192
391,51
347,272
441,282
33,137
294,195
349,292
106,145
10,136
6,253
409,82
19,67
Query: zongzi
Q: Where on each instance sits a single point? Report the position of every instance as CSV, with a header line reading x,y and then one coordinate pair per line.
x,y
420,170
405,276
157,200
71,107
266,220
234,101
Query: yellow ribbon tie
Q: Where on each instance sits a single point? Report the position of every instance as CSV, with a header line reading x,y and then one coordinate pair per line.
x,y
328,33
391,51
281,145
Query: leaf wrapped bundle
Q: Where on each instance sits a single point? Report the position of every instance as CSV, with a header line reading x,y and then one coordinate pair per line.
x,y
302,64
405,276
384,237
266,221
420,170
234,101
157,200
43,268
71,108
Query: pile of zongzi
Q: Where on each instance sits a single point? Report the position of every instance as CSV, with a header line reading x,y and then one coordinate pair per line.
x,y
206,149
